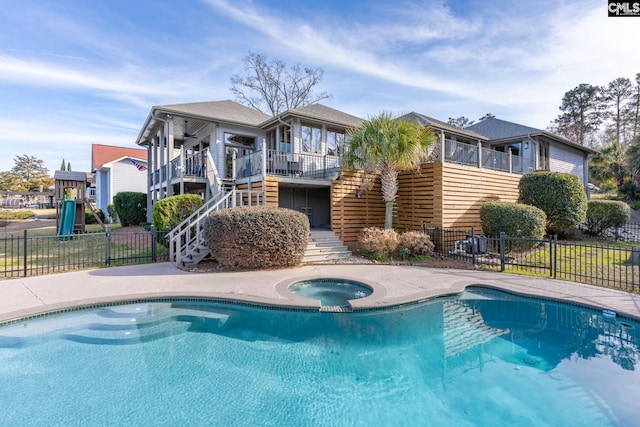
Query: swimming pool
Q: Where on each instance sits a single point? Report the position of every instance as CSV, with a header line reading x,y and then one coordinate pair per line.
x,y
481,358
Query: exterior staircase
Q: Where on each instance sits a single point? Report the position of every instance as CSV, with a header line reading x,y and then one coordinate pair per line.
x,y
323,246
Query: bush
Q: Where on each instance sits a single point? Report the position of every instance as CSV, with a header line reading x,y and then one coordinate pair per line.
x,y
379,241
414,243
111,210
171,211
16,214
90,219
513,219
603,214
131,207
635,206
629,190
256,237
560,195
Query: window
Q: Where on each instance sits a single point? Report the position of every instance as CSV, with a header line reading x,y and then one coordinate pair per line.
x,y
335,143
311,139
543,156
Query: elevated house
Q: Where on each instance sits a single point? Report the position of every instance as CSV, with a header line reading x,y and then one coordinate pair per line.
x,y
232,155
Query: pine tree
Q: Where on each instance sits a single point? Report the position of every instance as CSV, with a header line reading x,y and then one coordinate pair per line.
x,y
62,166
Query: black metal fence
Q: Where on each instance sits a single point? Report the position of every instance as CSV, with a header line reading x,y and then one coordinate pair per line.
x,y
23,255
615,265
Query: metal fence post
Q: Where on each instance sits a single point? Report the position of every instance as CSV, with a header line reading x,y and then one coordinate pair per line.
x,y
555,255
154,238
473,245
502,251
24,250
107,235
551,248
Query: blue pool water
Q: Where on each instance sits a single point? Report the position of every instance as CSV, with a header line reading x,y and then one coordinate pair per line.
x,y
331,292
483,358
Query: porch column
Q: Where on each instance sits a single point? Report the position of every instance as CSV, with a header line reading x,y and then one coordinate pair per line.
x,y
263,171
169,141
149,185
510,161
480,154
442,147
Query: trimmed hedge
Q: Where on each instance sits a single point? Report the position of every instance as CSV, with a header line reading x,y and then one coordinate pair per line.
x,y
131,207
514,219
171,211
560,195
256,237
603,214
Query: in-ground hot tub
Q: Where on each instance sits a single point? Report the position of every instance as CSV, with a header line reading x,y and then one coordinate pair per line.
x,y
331,292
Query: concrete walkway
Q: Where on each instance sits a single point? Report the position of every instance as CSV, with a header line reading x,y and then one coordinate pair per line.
x,y
392,285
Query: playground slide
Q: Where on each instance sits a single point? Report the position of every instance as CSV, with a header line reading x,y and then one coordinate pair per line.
x,y
67,219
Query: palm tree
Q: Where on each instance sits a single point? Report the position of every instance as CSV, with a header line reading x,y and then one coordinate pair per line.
x,y
633,159
609,165
386,145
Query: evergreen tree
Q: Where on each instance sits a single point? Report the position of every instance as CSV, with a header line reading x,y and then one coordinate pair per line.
x,y
616,94
31,173
581,113
460,122
69,166
63,166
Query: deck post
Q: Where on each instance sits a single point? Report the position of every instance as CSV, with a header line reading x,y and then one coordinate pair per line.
x,y
441,159
479,154
263,171
510,161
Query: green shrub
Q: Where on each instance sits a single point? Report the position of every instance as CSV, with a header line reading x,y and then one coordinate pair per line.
x,y
131,207
111,210
171,211
629,190
16,214
603,214
414,243
90,219
513,219
256,237
635,205
379,241
560,195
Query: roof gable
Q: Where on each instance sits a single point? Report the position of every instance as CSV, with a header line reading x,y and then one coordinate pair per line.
x,y
102,154
320,113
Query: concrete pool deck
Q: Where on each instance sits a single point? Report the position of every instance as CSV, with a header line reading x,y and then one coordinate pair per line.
x,y
392,285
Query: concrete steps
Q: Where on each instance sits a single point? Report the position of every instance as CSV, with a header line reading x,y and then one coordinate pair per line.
x,y
323,246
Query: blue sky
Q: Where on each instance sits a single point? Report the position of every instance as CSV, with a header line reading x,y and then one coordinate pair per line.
x,y
77,72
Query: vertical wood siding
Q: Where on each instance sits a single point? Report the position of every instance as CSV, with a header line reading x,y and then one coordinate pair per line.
x,y
440,194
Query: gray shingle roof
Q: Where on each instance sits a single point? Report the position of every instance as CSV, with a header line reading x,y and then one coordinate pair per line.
x,y
440,125
70,176
227,111
494,128
322,113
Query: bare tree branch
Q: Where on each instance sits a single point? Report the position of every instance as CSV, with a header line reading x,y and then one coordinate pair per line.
x,y
270,87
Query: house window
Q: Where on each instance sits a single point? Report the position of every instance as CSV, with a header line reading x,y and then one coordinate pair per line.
x,y
335,143
543,156
311,139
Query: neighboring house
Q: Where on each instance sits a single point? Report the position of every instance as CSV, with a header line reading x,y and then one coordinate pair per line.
x,y
117,169
231,154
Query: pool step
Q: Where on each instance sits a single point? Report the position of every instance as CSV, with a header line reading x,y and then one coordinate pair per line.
x,y
324,246
335,309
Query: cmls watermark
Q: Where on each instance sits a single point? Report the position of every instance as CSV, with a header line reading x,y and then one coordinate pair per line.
x,y
624,8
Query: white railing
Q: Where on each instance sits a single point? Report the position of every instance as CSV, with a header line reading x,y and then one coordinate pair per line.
x,y
188,235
